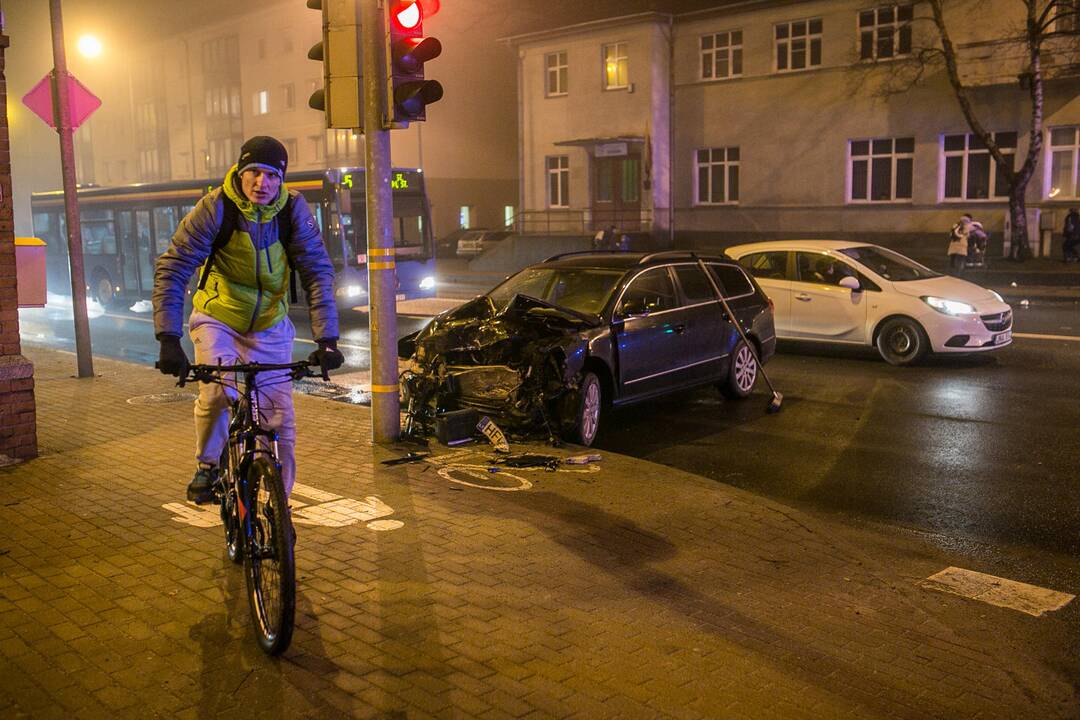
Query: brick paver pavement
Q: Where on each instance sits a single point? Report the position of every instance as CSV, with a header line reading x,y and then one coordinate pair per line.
x,y
634,591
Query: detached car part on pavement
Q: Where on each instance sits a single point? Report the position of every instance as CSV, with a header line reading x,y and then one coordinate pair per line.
x,y
551,346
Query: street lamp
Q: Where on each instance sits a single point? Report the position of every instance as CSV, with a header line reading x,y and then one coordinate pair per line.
x,y
89,46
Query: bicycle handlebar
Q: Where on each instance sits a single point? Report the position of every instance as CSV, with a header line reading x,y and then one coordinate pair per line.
x,y
209,373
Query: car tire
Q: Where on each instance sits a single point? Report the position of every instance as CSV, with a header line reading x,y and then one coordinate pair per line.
x,y
585,404
103,291
742,372
902,341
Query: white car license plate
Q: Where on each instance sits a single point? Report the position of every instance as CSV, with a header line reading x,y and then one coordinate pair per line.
x,y
1002,338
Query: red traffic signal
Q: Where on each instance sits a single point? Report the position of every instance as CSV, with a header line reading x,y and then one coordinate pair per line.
x,y
410,92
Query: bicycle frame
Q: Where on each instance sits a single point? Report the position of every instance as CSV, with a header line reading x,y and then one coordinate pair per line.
x,y
243,444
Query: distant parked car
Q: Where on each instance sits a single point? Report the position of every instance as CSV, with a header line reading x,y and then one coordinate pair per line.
x,y
862,294
474,242
561,339
446,246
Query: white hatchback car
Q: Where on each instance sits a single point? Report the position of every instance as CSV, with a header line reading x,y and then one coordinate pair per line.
x,y
856,293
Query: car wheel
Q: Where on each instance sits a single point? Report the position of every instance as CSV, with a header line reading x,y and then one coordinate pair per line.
x,y
742,372
902,341
586,405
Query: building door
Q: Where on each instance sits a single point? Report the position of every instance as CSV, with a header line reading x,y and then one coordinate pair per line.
x,y
616,192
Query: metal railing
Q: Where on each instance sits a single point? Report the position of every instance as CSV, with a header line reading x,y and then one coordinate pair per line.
x,y
569,221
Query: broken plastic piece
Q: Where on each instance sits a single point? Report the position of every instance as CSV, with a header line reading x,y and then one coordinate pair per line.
x,y
582,459
407,458
525,460
494,434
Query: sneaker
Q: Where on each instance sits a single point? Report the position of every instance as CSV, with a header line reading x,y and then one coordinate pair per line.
x,y
201,488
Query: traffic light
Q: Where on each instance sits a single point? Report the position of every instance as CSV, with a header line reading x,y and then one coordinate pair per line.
x,y
408,50
341,96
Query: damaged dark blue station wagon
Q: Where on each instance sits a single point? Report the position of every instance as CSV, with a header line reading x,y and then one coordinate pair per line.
x,y
557,342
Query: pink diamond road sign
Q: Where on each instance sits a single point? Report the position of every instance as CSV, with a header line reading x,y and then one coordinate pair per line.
x,y
83,102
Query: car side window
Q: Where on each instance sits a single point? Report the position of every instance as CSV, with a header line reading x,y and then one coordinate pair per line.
x,y
732,280
695,286
651,291
822,269
770,265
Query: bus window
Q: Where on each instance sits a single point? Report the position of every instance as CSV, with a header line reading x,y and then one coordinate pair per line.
x,y
409,224
164,227
47,226
98,232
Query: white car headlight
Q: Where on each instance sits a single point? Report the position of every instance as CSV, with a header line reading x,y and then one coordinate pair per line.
x,y
354,291
427,283
949,307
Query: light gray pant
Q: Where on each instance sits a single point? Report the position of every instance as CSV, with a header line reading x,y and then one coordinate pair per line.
x,y
215,342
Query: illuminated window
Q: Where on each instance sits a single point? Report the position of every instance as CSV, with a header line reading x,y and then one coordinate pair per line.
x,y
558,177
885,32
1064,162
262,102
508,215
555,70
798,45
970,171
616,66
721,55
465,214
880,169
717,176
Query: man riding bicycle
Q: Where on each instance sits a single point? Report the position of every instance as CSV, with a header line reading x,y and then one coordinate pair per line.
x,y
245,237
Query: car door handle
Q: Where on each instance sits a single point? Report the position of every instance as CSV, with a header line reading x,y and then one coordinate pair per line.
x,y
803,296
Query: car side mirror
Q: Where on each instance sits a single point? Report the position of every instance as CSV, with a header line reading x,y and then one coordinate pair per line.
x,y
851,283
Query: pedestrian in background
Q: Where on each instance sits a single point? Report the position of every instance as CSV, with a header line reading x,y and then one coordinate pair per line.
x,y
604,239
1071,231
958,244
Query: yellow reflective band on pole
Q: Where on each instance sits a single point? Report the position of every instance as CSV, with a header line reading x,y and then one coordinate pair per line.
x,y
381,252
381,265
384,388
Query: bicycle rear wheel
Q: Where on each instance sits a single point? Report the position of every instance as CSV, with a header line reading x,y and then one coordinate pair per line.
x,y
268,558
230,518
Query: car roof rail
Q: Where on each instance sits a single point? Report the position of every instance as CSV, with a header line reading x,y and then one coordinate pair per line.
x,y
682,255
559,256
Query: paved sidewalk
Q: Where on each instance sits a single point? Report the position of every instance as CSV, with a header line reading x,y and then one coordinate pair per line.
x,y
627,590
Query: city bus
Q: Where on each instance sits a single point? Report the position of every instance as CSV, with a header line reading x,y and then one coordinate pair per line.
x,y
124,229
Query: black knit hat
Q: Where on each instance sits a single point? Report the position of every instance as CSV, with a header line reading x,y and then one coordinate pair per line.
x,y
265,152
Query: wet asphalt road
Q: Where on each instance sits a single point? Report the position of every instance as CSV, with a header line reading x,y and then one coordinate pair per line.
x,y
980,456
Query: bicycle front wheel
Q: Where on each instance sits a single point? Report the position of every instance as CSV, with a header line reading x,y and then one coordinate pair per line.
x,y
268,561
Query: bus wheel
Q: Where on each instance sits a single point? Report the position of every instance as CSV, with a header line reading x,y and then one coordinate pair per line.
x,y
104,292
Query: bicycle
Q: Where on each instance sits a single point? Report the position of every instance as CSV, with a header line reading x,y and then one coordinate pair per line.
x,y
254,509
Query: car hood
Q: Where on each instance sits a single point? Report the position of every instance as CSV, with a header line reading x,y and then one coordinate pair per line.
x,y
949,288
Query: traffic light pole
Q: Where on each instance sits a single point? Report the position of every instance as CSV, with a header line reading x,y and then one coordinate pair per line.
x,y
62,110
382,286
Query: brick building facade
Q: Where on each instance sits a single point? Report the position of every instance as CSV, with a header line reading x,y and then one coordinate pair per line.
x,y
18,422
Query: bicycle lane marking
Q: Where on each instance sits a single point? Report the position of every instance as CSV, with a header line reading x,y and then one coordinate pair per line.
x,y
327,510
474,464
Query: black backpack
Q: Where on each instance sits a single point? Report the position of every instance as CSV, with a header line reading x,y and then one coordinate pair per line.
x,y
230,215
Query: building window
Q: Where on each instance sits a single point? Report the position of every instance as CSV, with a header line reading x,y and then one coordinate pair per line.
x,y
1064,162
616,66
558,176
880,169
261,104
885,32
342,144
717,176
970,170
290,150
288,97
260,48
1068,16
798,45
721,55
555,74
508,215
465,213
317,143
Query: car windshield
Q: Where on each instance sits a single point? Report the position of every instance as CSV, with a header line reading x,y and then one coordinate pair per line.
x,y
888,264
585,290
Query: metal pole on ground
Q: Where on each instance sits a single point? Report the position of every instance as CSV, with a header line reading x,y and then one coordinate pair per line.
x,y
382,284
62,109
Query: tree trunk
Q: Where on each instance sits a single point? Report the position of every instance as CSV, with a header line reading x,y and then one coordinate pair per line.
x,y
1020,249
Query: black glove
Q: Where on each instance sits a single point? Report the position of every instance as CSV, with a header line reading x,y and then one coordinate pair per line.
x,y
171,359
328,357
